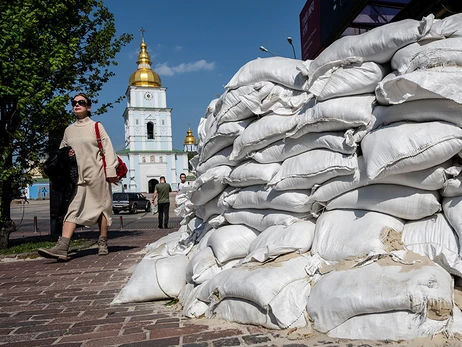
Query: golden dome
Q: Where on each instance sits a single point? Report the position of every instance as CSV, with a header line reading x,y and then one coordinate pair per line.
x,y
189,139
144,76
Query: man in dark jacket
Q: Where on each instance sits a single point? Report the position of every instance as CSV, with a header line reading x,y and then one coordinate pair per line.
x,y
162,193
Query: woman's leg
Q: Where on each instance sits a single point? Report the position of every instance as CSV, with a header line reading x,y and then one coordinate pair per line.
x,y
103,230
68,229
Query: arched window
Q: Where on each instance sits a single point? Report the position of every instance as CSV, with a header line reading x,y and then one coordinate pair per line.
x,y
150,130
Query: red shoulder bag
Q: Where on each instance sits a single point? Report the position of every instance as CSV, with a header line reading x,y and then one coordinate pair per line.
x,y
121,169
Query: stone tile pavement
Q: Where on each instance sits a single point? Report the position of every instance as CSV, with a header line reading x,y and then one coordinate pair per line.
x,y
48,303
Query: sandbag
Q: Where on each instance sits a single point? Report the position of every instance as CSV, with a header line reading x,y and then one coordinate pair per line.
x,y
398,201
418,111
209,185
433,178
433,83
341,234
260,134
446,27
218,159
377,45
416,285
259,197
434,238
353,79
406,147
333,115
305,170
252,173
452,208
153,279
427,54
222,137
281,150
231,242
278,239
263,219
203,266
390,326
278,70
282,101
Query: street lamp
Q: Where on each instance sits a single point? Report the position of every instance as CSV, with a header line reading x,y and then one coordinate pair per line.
x,y
263,49
289,39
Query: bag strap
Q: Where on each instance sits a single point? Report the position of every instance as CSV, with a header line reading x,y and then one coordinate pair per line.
x,y
100,145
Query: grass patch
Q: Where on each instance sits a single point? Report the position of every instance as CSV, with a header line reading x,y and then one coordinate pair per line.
x,y
33,246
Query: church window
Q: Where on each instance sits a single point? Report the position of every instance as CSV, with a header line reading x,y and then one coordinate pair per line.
x,y
150,130
136,122
163,121
143,159
161,159
152,159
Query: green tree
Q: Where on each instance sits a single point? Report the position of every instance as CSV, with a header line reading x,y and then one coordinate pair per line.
x,y
49,51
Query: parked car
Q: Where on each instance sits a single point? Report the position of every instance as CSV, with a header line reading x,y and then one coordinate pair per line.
x,y
131,202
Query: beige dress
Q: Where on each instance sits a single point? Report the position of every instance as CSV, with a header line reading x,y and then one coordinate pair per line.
x,y
94,195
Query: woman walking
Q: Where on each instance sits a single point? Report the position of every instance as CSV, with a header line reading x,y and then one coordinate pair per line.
x,y
92,201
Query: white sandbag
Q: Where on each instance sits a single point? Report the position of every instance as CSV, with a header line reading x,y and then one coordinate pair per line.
x,y
153,279
205,122
158,247
427,54
263,219
214,207
418,111
230,107
406,147
433,178
452,209
433,83
278,70
453,186
283,315
416,285
192,308
279,286
390,326
231,242
354,79
252,173
203,266
434,237
209,185
447,27
260,134
246,312
398,201
289,147
341,234
277,240
260,197
334,115
305,170
377,45
282,101
222,137
218,159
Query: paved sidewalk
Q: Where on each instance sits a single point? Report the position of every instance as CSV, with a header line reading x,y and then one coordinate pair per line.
x,y
48,303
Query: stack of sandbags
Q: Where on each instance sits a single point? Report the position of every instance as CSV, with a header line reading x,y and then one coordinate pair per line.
x,y
324,185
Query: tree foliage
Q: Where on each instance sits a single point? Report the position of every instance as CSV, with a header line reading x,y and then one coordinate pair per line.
x,y
49,51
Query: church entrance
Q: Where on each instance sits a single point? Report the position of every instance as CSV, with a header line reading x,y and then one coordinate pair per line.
x,y
152,185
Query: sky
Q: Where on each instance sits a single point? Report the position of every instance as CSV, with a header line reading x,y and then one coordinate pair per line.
x,y
196,47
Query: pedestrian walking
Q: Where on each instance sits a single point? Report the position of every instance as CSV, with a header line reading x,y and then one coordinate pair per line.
x,y
162,193
92,201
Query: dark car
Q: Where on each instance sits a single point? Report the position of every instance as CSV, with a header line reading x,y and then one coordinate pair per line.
x,y
131,202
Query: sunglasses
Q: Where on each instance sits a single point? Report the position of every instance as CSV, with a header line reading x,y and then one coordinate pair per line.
x,y
80,102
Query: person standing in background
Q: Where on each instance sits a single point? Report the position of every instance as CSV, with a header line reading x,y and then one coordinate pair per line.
x,y
183,182
162,193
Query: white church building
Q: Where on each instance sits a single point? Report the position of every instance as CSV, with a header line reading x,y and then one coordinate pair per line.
x,y
148,149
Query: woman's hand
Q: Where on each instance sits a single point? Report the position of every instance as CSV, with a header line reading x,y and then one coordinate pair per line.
x,y
114,180
71,153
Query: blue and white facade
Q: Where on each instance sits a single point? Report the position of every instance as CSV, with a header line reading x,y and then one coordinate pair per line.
x,y
148,149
